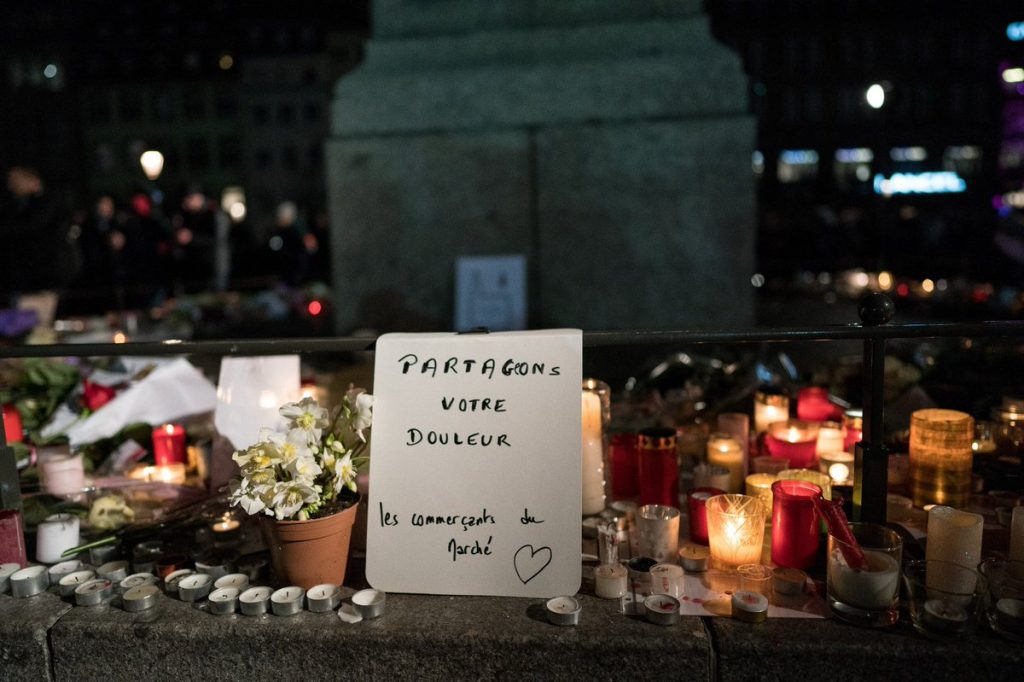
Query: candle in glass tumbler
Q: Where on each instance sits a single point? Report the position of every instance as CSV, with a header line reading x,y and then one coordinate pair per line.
x,y
813,404
819,479
853,428
724,451
941,457
953,536
795,440
769,407
169,445
659,469
737,425
622,453
794,523
760,486
830,438
838,464
698,517
595,393
735,530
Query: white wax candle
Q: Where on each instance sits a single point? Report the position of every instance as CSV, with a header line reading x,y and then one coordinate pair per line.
x,y
765,415
830,439
55,535
724,451
953,536
62,474
592,455
737,425
610,581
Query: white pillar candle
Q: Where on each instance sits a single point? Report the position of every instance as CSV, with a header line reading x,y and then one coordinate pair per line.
x,y
830,438
737,425
711,476
768,409
610,581
724,451
62,474
55,535
953,536
592,454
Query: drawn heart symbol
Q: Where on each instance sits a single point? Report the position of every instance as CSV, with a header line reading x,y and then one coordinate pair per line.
x,y
530,562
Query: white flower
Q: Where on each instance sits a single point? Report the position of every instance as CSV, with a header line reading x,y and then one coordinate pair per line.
x,y
344,474
363,413
307,416
291,445
291,496
259,456
249,498
304,468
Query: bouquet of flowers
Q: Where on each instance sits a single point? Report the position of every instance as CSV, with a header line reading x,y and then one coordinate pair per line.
x,y
301,473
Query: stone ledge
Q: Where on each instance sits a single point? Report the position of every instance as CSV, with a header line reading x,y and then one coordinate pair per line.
x,y
24,624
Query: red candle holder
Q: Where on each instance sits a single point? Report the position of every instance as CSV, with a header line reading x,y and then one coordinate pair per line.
x,y
12,424
795,527
695,502
813,404
658,467
794,440
622,453
169,445
853,427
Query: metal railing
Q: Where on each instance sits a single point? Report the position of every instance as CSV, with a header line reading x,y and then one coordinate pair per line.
x,y
875,311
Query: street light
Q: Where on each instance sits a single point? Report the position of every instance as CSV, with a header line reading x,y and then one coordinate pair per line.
x,y
875,96
152,164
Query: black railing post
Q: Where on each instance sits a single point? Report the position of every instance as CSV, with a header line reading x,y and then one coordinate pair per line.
x,y
871,466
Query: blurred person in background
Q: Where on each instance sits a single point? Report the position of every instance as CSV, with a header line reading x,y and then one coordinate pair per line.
x,y
144,242
289,246
39,249
100,229
194,258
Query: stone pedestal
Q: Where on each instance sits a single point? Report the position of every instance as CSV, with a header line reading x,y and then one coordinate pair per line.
x,y
609,142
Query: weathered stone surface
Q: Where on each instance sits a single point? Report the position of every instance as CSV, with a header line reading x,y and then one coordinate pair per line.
x,y
420,637
24,623
405,208
799,649
646,225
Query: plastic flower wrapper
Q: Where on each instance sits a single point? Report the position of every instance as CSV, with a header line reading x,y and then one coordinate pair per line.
x,y
301,473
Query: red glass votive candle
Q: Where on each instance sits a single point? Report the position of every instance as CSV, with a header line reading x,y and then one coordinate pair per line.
x,y
794,524
853,427
813,404
695,500
658,467
794,440
169,445
622,453
12,424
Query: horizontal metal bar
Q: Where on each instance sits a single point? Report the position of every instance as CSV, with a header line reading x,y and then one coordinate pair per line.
x,y
591,339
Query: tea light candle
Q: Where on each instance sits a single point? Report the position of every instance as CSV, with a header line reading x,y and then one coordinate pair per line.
x,y
943,616
837,464
56,534
140,598
941,457
610,581
760,486
6,571
239,581
253,565
94,592
819,479
102,554
749,607
735,530
694,559
253,602
737,425
287,601
698,517
169,444
172,579
830,438
1010,614
170,563
136,580
953,536
563,610
769,407
323,598
369,603
226,529
58,571
711,476
194,587
169,473
28,582
223,601
213,565
593,446
666,579
795,440
788,585
70,582
114,571
662,609
62,474
725,452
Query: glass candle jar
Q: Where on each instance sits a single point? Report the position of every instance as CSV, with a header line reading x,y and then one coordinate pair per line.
x,y
658,467
866,597
941,457
735,530
622,454
794,523
696,500
853,428
795,440
770,406
724,451
819,479
760,486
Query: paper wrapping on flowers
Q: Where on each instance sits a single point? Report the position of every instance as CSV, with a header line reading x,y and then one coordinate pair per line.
x,y
249,393
172,391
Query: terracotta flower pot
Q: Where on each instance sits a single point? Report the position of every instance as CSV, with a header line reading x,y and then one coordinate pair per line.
x,y
308,553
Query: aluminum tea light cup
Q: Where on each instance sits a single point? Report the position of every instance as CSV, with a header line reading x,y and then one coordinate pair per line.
x,y
136,580
662,609
114,571
58,571
323,598
94,592
6,571
562,610
254,601
369,603
140,597
238,581
223,601
101,555
749,607
172,579
287,601
194,587
71,581
29,582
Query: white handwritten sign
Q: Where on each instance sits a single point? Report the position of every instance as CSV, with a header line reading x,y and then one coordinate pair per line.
x,y
475,469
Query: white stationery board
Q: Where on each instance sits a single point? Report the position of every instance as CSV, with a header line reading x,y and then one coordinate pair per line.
x,y
510,512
